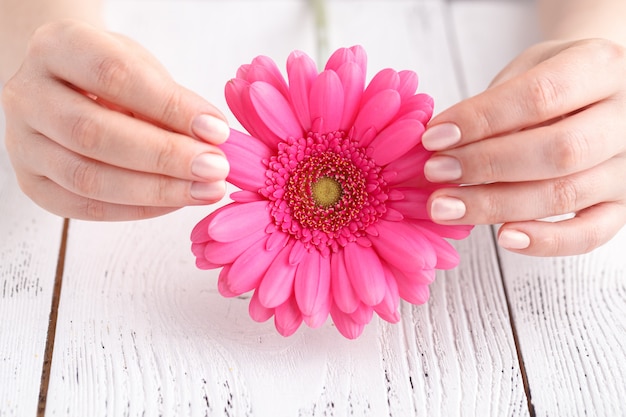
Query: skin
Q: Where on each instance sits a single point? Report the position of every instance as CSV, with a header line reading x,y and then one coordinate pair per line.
x,y
95,127
546,139
94,123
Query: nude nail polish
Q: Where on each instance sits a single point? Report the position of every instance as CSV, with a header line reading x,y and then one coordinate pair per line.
x,y
441,136
447,208
210,129
210,166
442,168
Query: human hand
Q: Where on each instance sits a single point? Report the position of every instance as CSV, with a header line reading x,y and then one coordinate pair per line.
x,y
96,129
547,138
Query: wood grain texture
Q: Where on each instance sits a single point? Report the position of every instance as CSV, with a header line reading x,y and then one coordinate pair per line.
x,y
29,247
570,314
142,332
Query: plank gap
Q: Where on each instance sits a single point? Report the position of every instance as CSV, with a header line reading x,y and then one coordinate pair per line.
x,y
518,350
52,323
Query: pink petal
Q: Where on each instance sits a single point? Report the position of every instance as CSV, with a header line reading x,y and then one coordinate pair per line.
x,y
202,263
200,232
448,231
245,196
265,69
246,272
396,140
363,314
408,167
447,256
408,84
400,245
346,326
344,295
353,80
419,106
366,273
387,79
257,311
274,110
326,102
237,220
277,283
412,289
375,114
302,71
222,284
287,317
245,155
238,99
387,309
341,56
312,283
413,205
320,316
222,253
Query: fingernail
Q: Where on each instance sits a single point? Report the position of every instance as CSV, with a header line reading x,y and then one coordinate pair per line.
x,y
210,166
513,239
447,208
441,136
209,191
210,129
442,168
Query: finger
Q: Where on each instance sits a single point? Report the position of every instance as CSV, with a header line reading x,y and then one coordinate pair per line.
x,y
550,89
105,66
589,229
64,203
572,144
506,202
98,181
81,125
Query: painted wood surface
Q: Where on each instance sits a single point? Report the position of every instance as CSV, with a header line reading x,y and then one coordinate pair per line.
x,y
141,331
29,249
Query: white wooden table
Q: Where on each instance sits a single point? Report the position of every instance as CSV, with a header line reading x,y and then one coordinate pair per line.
x,y
101,319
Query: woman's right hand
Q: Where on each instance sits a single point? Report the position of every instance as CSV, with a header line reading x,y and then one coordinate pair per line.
x,y
97,129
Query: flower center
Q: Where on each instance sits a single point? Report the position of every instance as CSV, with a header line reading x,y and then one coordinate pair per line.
x,y
326,191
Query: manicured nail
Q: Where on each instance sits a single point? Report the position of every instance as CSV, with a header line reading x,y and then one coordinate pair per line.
x,y
210,166
447,208
513,239
209,191
442,168
441,136
210,129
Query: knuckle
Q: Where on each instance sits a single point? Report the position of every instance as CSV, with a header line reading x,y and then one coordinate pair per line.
x,y
94,209
564,196
171,109
544,96
160,196
86,133
492,208
114,74
84,178
569,150
166,156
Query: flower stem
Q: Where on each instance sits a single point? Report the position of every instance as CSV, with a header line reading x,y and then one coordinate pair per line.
x,y
321,30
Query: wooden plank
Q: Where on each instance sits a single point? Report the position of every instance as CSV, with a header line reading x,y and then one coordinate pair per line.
x,y
29,247
142,332
569,313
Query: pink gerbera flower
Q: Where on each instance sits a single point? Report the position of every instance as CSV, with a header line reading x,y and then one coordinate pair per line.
x,y
331,217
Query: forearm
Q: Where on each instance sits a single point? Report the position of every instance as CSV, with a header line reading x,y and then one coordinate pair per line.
x,y
579,19
19,18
